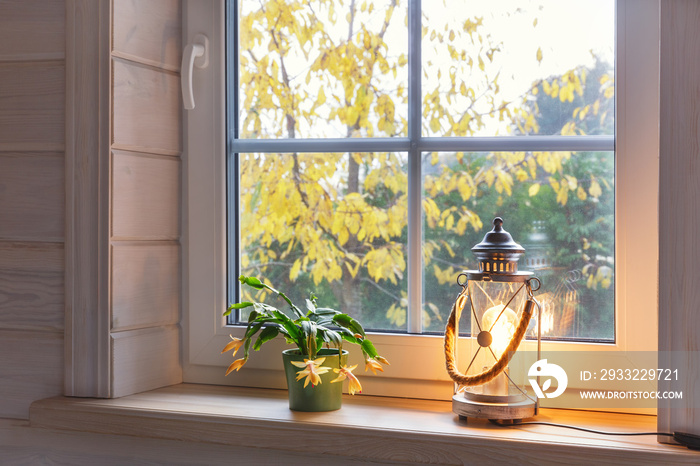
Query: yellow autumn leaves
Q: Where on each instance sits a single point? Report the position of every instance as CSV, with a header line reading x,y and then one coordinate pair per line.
x,y
294,200
340,217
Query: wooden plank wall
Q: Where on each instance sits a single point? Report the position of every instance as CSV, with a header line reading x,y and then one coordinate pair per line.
x,y
87,366
32,206
146,145
679,210
143,196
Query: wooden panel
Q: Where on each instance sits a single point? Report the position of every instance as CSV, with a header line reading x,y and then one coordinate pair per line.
x,y
31,286
679,210
31,368
32,29
145,285
87,321
146,109
22,444
32,197
32,110
145,359
145,196
381,429
149,32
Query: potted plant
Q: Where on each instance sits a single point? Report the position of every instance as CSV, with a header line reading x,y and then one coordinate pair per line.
x,y
316,368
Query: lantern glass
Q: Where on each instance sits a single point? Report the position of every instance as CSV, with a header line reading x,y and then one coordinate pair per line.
x,y
495,307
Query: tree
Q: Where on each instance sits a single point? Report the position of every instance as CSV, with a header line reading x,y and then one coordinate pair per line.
x,y
336,222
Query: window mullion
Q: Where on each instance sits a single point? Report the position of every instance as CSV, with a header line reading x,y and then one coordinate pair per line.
x,y
415,211
519,143
342,145
232,171
494,143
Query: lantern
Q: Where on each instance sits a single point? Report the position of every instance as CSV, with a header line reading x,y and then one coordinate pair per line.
x,y
501,303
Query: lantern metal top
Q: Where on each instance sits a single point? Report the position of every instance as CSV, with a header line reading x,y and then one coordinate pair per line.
x,y
498,240
498,256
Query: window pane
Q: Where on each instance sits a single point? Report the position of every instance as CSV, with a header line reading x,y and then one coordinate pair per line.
x,y
517,67
322,69
335,223
331,224
558,205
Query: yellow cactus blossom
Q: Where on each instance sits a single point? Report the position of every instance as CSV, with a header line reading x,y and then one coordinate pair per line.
x,y
236,365
383,360
373,364
345,372
312,371
234,345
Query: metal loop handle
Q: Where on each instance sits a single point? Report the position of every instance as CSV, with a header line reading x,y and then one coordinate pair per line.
x,y
530,287
459,279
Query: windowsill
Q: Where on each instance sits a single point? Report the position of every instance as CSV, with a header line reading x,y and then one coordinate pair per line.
x,y
367,427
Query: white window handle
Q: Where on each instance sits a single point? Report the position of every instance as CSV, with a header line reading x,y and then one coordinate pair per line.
x,y
195,54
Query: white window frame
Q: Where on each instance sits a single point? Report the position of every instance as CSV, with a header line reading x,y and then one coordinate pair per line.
x,y
205,231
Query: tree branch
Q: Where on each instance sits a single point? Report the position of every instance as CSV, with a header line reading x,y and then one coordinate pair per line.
x,y
380,288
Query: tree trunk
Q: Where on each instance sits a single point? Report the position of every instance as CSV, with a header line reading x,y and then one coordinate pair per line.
x,y
347,290
349,294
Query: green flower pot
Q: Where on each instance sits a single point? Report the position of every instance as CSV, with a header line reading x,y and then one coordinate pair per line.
x,y
325,396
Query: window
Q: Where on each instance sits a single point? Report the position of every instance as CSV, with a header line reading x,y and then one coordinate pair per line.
x,y
334,218
374,147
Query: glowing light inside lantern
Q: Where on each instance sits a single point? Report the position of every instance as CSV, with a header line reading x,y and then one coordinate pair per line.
x,y
501,325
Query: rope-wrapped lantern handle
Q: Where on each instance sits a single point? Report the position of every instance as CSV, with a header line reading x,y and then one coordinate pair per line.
x,y
451,338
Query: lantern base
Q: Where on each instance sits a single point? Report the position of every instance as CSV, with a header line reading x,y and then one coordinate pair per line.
x,y
478,394
501,411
